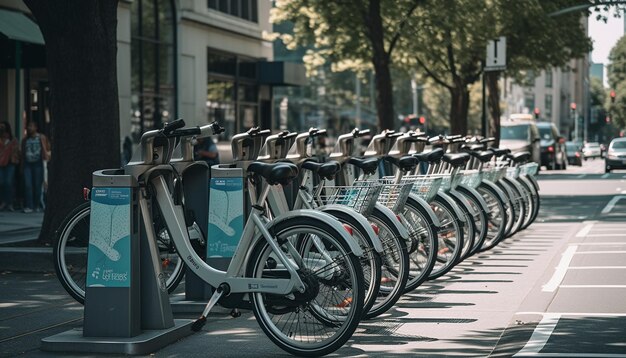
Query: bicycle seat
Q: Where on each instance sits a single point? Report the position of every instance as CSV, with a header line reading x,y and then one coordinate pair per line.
x,y
519,157
432,157
456,159
275,173
405,163
325,170
367,165
483,156
498,152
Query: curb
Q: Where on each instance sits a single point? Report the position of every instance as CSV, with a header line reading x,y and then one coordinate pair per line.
x,y
26,259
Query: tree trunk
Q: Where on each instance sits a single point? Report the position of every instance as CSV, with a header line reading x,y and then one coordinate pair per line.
x,y
380,60
459,107
494,105
81,50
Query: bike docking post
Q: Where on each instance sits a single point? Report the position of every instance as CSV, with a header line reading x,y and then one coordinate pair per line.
x,y
127,309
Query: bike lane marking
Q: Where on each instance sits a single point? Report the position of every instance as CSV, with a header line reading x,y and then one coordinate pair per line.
x,y
540,335
609,206
585,230
561,270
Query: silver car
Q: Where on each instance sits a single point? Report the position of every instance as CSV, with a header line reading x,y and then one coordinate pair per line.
x,y
616,155
592,150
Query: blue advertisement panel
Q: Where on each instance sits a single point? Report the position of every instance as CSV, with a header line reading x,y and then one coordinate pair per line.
x,y
108,260
225,216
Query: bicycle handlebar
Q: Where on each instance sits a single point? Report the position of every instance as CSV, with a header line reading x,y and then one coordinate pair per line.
x,y
170,127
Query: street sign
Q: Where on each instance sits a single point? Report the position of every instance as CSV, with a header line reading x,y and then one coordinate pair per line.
x,y
496,55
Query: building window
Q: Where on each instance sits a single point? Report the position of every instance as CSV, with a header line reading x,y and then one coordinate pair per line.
x,y
530,78
529,101
243,9
548,78
153,92
548,106
232,92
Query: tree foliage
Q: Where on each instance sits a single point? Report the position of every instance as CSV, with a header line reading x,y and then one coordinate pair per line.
x,y
617,81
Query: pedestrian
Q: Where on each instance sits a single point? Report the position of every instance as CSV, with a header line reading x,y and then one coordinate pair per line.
x,y
9,159
206,150
35,150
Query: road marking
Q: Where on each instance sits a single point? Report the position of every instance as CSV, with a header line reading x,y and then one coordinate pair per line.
x,y
540,335
576,314
608,235
592,286
596,267
581,176
598,243
623,191
544,236
611,203
561,270
600,252
585,230
605,176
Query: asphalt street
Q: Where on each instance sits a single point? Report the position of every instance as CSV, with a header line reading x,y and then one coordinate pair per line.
x,y
555,289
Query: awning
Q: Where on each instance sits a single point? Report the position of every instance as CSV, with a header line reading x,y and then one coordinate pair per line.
x,y
279,73
16,26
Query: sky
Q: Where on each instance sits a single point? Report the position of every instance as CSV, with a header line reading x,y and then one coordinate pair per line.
x,y
604,36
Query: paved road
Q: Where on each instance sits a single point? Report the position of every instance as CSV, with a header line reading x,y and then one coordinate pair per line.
x,y
556,289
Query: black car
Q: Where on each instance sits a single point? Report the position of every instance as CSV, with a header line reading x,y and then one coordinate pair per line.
x,y
552,146
574,154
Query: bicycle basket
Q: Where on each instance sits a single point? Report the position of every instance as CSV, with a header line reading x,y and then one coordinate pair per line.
x,y
494,174
471,178
512,172
423,186
529,169
393,195
448,182
361,196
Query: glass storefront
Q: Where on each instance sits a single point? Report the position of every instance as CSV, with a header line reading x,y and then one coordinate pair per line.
x,y
153,93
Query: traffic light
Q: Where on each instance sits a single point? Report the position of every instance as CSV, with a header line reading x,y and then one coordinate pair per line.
x,y
612,96
422,119
572,106
536,112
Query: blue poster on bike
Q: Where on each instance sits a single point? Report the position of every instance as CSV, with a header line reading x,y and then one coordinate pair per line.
x,y
225,216
108,260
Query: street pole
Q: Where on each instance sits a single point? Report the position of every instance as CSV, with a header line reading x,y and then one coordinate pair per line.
x,y
484,110
357,115
575,126
18,90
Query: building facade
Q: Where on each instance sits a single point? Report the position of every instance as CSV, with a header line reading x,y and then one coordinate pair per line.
x,y
197,60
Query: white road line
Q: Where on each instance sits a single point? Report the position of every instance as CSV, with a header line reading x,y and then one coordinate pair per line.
x,y
608,235
600,252
576,314
581,176
585,230
561,270
540,335
598,243
623,191
604,176
596,267
592,286
544,236
611,203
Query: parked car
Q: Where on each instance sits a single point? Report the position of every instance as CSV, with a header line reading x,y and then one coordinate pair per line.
x,y
520,134
552,146
616,155
574,155
592,150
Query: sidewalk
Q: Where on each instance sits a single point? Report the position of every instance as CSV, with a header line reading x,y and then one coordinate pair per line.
x,y
18,243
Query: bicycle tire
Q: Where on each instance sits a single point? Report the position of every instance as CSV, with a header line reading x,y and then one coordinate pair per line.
x,y
515,195
497,215
70,254
449,236
264,305
424,247
480,217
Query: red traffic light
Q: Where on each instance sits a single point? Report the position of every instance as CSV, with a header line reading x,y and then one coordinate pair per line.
x,y
422,119
612,96
572,106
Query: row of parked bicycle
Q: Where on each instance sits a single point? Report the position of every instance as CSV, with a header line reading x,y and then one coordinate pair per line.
x,y
358,232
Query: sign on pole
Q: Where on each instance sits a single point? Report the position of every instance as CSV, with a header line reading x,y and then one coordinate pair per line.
x,y
496,55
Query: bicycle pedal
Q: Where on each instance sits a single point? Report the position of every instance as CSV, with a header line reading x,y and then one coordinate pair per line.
x,y
235,313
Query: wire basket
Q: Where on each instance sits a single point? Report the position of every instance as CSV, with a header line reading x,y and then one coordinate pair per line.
x,y
393,195
493,174
361,196
512,172
448,181
423,186
529,169
471,178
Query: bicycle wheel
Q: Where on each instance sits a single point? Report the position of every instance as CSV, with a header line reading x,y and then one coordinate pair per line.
x,y
497,218
479,217
423,246
70,253
370,261
518,205
395,264
529,202
469,229
450,236
321,319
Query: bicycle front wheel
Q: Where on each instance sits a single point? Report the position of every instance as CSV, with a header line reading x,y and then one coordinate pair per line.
x,y
70,253
321,319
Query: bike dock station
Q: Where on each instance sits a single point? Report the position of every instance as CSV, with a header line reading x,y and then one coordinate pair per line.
x,y
127,308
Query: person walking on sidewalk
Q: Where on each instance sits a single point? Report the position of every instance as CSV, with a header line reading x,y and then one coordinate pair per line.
x,y
9,158
35,150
